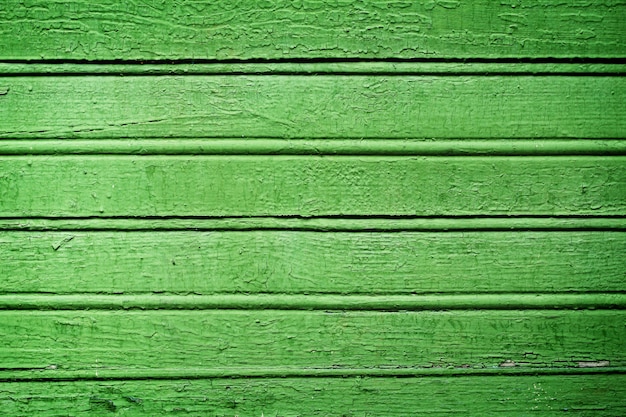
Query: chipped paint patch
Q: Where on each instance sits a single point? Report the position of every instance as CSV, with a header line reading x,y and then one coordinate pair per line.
x,y
594,364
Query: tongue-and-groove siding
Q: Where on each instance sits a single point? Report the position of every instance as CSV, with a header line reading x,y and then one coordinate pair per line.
x,y
312,208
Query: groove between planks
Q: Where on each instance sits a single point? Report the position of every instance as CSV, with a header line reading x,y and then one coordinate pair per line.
x,y
388,67
276,146
315,224
49,374
372,302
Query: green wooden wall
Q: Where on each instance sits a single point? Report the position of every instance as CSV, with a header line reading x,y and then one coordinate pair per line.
x,y
312,208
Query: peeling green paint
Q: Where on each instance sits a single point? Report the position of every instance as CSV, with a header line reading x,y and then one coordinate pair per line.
x,y
339,208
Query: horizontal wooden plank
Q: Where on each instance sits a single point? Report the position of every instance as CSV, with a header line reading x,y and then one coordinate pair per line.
x,y
313,67
78,186
325,107
266,339
588,395
399,147
267,261
79,29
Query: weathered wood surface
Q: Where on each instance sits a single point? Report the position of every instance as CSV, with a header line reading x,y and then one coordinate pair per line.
x,y
293,262
312,208
261,340
113,29
80,186
576,395
324,106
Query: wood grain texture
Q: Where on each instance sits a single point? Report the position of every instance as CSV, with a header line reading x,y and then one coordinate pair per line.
x,y
323,107
306,186
267,339
581,395
292,262
79,29
319,207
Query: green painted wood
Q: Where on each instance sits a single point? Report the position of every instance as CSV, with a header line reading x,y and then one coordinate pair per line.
x,y
323,107
269,339
581,395
308,302
313,67
316,224
259,146
78,186
293,262
52,373
111,29
432,226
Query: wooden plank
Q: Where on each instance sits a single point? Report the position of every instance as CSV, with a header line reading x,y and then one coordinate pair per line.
x,y
581,395
80,29
266,340
323,107
82,186
296,262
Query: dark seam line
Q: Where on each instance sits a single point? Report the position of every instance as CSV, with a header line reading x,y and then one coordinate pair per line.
x,y
521,60
315,230
337,375
314,294
451,153
304,153
319,73
296,139
322,309
330,216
